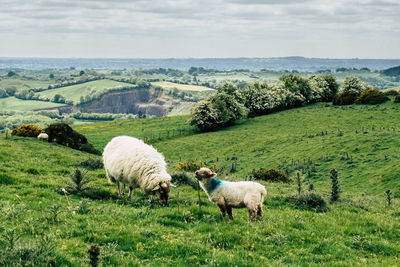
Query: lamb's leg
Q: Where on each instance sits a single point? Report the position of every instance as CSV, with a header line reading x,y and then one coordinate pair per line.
x,y
252,204
222,209
130,191
229,210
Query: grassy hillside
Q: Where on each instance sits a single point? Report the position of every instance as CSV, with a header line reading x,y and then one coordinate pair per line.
x,y
24,84
184,87
360,230
16,104
74,92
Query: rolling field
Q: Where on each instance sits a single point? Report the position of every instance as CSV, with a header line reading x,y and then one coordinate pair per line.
x,y
24,84
74,92
184,87
361,142
15,104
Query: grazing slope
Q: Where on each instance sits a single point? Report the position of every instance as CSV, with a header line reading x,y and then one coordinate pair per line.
x,y
359,230
184,87
74,92
16,104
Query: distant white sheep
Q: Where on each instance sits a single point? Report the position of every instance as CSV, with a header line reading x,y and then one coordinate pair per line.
x,y
43,136
130,161
228,195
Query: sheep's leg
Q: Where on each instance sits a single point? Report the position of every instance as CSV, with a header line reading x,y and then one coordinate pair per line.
x,y
123,190
229,210
222,210
130,191
260,211
118,189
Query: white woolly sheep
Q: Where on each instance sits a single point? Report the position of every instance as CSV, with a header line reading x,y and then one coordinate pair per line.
x,y
43,136
228,195
130,161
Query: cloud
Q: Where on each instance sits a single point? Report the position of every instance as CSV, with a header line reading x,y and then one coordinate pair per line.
x,y
213,27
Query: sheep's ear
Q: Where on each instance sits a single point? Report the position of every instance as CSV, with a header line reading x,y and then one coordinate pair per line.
x,y
172,185
156,188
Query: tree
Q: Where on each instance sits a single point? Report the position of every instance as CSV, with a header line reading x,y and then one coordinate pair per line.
x,y
3,93
297,84
352,83
231,90
51,76
220,110
81,73
11,73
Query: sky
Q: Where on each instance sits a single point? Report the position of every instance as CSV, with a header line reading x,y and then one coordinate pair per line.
x,y
199,29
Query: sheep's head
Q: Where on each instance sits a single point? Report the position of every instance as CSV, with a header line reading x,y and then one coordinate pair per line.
x,y
163,189
205,174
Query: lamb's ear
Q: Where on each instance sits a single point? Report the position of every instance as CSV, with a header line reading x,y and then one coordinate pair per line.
x,y
156,188
213,175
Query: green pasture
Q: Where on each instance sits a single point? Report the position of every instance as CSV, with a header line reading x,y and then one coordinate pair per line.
x,y
16,104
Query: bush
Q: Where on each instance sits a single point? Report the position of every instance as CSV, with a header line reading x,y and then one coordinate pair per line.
x,y
297,84
266,98
270,175
391,92
62,134
397,99
345,98
311,201
183,178
220,110
27,130
3,93
372,97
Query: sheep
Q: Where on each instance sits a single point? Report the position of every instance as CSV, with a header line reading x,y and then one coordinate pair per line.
x,y
130,161
228,195
43,136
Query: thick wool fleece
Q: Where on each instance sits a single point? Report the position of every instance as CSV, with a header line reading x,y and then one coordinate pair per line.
x,y
134,163
235,194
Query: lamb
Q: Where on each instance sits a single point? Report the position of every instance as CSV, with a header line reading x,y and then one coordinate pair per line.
x,y
130,161
43,136
228,195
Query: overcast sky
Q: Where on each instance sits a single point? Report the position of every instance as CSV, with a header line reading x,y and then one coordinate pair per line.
x,y
211,28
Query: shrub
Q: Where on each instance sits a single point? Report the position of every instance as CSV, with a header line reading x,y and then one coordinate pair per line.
x,y
391,92
372,97
27,130
3,93
220,110
352,83
297,84
311,201
335,191
345,98
397,99
265,98
270,175
63,134
179,178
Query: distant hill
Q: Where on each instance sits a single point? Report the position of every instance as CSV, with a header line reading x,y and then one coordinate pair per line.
x,y
278,63
395,71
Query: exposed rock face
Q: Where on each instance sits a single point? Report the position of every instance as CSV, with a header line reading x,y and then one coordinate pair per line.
x,y
149,102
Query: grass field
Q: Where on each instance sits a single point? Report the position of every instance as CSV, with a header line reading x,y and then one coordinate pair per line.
x,y
15,104
24,84
74,92
184,87
359,230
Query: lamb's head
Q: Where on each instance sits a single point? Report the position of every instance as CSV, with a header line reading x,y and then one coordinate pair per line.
x,y
162,189
204,174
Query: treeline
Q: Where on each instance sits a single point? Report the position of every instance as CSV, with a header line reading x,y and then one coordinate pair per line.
x,y
231,104
101,116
